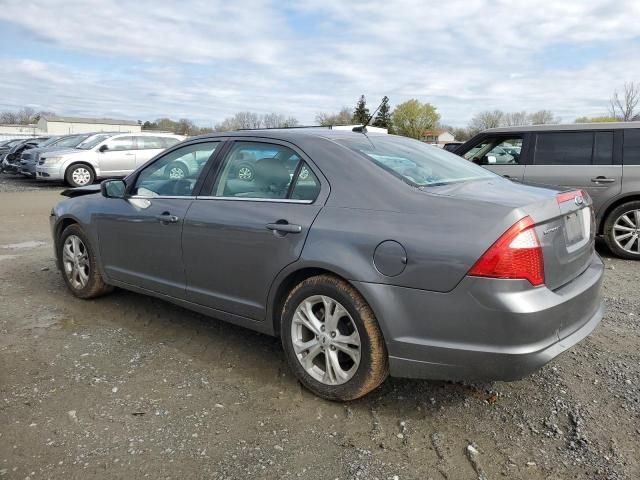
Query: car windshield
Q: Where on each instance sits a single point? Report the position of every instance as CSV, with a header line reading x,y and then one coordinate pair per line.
x,y
414,162
70,141
91,142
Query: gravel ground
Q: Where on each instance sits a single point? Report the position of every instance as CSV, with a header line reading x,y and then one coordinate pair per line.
x,y
132,387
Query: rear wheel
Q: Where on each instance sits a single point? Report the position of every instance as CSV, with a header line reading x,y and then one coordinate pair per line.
x,y
622,230
176,171
78,261
245,172
79,175
332,340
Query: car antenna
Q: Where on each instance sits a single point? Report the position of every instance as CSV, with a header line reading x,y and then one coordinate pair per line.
x,y
363,128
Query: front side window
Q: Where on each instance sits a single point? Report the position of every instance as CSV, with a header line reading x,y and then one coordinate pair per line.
x,y
496,151
176,173
148,143
122,143
414,162
92,141
564,148
257,170
603,148
631,150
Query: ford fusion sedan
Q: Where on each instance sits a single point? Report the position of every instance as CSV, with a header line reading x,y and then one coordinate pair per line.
x,y
104,156
368,255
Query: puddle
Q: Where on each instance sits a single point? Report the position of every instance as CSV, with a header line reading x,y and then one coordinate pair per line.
x,y
24,245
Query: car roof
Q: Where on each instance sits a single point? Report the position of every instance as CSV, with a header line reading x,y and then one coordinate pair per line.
x,y
291,134
565,127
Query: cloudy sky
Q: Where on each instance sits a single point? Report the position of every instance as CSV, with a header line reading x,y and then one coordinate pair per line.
x,y
207,59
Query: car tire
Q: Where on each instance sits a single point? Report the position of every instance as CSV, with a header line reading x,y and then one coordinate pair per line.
x,y
616,228
78,264
352,319
177,171
245,172
79,175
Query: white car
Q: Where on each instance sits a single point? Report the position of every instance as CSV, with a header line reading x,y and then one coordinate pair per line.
x,y
104,155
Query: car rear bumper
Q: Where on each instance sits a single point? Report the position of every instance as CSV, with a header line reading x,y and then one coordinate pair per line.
x,y
484,329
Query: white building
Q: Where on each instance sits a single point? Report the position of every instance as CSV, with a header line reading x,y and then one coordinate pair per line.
x,y
438,136
67,125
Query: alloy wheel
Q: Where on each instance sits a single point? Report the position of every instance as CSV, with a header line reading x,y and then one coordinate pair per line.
x,y
245,173
75,259
626,231
81,176
326,340
176,173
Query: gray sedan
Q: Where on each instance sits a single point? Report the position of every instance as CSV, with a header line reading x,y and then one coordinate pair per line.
x,y
367,254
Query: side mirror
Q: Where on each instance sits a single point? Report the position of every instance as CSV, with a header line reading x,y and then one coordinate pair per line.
x,y
113,188
103,148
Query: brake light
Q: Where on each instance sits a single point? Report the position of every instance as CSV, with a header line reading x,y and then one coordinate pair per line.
x,y
517,254
570,196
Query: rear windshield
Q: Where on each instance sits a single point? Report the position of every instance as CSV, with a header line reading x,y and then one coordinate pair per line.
x,y
414,162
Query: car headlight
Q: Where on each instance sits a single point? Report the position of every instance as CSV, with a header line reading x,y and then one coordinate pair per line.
x,y
51,160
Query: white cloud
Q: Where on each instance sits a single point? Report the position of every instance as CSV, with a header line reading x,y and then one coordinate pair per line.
x,y
208,59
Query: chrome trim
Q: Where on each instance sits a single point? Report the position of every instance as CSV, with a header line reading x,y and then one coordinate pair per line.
x,y
246,199
142,197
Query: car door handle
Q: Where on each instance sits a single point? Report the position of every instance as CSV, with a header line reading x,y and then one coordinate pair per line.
x,y
284,227
167,218
603,180
129,154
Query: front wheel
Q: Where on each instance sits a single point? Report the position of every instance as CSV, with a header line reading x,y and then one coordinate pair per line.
x,y
332,340
79,266
79,175
622,230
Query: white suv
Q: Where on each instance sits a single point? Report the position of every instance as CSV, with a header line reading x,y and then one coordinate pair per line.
x,y
104,155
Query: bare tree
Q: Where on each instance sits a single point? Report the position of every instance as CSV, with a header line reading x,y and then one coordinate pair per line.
x,y
543,117
622,107
515,119
487,119
343,117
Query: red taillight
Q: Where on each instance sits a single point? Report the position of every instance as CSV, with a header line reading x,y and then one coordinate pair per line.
x,y
570,196
517,254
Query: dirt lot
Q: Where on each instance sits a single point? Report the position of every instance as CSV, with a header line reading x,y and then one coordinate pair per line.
x,y
132,387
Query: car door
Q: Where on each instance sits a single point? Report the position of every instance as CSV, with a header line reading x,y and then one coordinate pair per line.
x,y
140,239
117,156
502,154
581,159
242,231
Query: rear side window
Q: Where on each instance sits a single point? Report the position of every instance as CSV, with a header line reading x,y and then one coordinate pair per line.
x,y
603,148
631,150
564,148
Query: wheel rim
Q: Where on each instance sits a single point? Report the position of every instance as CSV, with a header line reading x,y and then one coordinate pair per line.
x,y
75,259
626,231
81,176
176,173
325,340
245,173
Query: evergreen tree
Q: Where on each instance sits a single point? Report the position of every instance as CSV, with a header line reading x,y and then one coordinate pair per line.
x,y
383,117
361,113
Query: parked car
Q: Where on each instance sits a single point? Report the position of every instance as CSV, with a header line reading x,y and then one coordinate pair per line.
x,y
6,146
601,158
388,256
451,146
106,155
11,161
29,158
